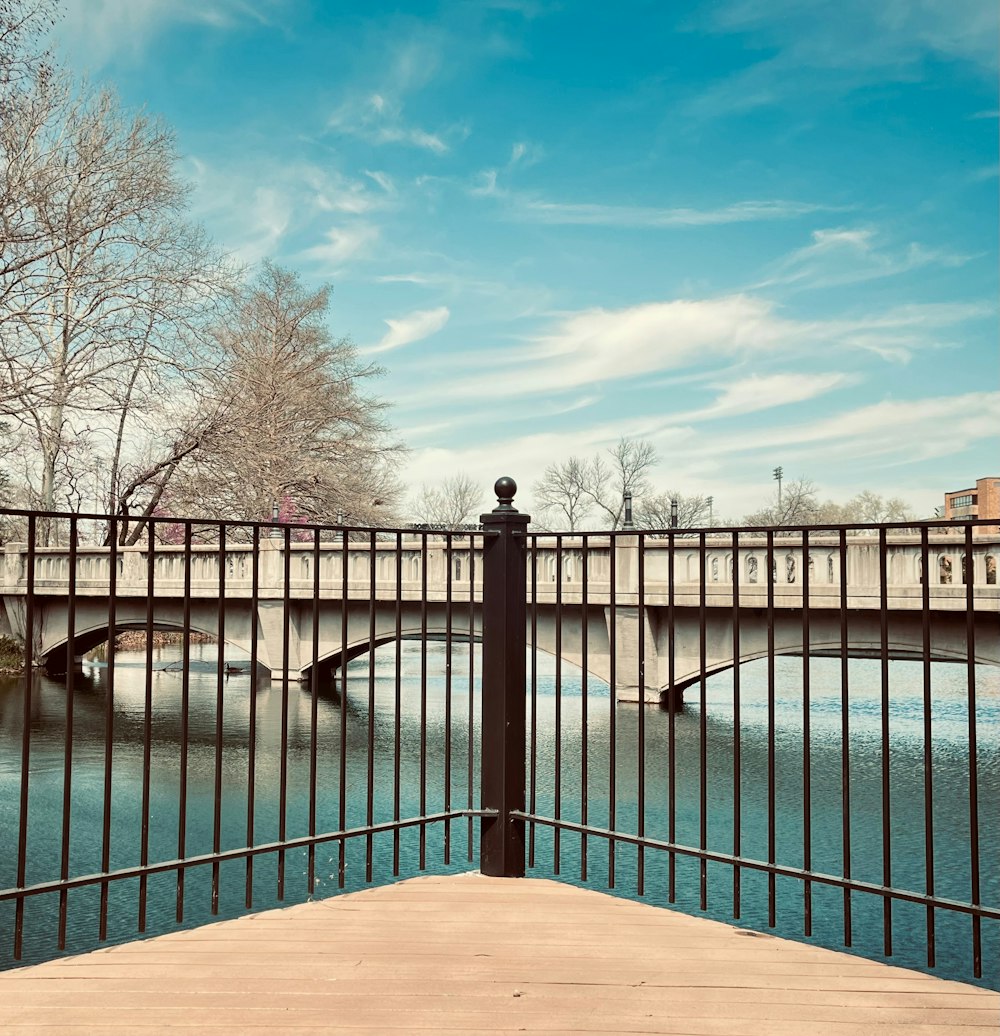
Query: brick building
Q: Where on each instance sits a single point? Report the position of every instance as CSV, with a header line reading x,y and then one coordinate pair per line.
x,y
983,501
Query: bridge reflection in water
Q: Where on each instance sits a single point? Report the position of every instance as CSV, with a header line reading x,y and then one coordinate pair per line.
x,y
837,799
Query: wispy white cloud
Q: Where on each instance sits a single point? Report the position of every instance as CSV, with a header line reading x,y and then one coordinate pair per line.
x,y
95,32
538,210
421,323
860,42
758,392
890,433
257,207
352,241
890,428
379,120
845,255
404,67
252,216
986,172
595,346
384,180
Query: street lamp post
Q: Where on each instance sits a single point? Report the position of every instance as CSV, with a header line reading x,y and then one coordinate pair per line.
x,y
627,501
710,502
673,513
778,472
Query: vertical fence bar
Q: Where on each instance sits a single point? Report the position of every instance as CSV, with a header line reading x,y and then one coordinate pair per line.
x,y
612,704
674,702
970,653
29,666
314,710
286,607
806,736
423,698
845,737
925,617
109,728
472,683
557,762
147,719
504,572
883,574
533,749
583,702
641,761
702,722
220,685
771,776
370,785
398,704
68,736
185,717
252,730
449,564
345,591
737,744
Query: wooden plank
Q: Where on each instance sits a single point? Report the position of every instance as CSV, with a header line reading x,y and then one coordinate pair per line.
x,y
471,954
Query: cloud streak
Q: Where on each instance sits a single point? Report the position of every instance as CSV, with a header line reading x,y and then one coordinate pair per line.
x,y
845,255
594,346
419,324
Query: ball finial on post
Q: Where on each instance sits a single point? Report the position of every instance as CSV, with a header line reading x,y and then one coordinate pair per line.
x,y
505,488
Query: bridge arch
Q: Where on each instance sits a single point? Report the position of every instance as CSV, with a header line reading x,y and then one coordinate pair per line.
x,y
898,650
55,658
362,645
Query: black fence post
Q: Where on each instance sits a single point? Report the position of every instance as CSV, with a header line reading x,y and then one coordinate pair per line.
x,y
501,845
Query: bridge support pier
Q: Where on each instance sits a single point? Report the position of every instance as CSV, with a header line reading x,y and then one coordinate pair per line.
x,y
627,674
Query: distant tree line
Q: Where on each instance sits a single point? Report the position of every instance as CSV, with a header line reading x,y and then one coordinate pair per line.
x,y
589,492
142,372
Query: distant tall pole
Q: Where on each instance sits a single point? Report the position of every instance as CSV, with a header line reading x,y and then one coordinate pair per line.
x,y
673,513
710,502
778,472
627,523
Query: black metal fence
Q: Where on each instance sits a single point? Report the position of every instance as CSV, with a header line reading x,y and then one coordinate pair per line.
x,y
177,779
807,767
805,771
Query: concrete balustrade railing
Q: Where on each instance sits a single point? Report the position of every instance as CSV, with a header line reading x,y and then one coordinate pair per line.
x,y
947,563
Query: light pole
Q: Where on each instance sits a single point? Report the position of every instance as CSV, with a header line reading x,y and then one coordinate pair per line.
x,y
673,512
778,472
710,502
627,502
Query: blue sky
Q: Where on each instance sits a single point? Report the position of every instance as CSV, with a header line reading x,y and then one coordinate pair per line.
x,y
755,232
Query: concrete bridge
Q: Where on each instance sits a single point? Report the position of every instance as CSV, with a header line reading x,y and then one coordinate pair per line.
x,y
385,582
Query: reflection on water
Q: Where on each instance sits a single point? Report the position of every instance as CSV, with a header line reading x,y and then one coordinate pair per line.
x,y
450,749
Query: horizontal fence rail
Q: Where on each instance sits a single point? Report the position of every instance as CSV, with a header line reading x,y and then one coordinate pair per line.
x,y
795,728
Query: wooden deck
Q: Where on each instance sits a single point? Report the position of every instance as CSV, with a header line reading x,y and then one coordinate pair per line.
x,y
473,954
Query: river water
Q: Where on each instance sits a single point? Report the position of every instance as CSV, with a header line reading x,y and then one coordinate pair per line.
x,y
950,773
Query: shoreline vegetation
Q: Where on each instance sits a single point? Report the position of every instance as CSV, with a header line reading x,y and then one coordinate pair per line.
x,y
11,656
12,650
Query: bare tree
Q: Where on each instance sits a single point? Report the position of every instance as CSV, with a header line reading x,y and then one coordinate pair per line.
x,y
284,418
798,505
455,501
23,58
868,506
105,285
562,490
578,488
627,471
654,511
